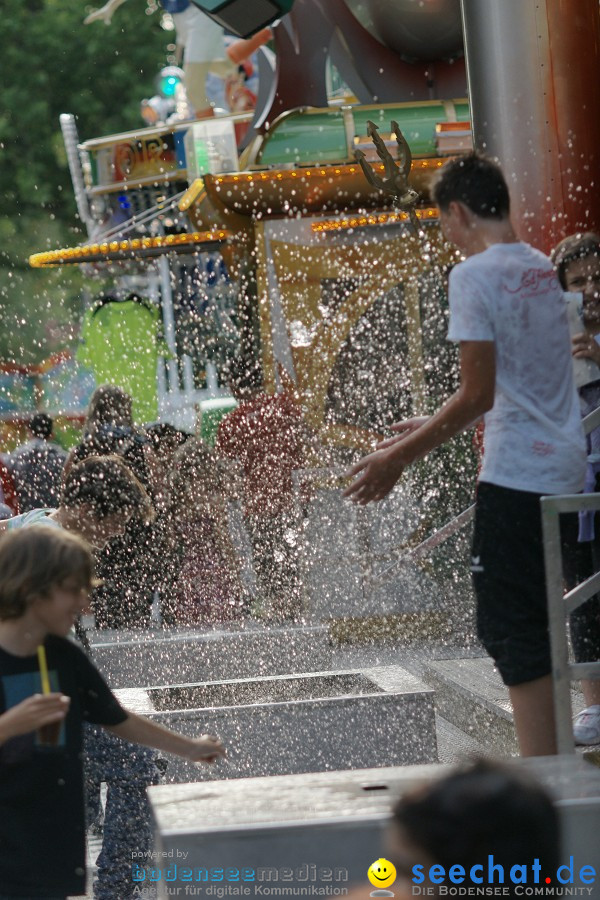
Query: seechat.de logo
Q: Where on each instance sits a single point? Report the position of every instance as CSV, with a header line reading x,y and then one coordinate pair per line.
x,y
491,873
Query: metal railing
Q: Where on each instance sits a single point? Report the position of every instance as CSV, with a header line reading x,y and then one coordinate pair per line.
x,y
561,605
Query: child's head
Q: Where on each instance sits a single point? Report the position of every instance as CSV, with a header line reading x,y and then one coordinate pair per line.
x,y
475,181
37,562
484,809
577,262
103,493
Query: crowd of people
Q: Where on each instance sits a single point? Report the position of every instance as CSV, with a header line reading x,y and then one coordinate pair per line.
x,y
179,557
153,505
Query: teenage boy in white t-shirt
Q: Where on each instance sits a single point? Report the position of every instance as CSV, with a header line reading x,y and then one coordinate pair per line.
x,y
508,314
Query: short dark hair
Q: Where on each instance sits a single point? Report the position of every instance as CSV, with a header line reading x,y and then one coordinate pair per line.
x,y
41,425
106,485
475,180
484,808
575,246
108,404
34,560
165,438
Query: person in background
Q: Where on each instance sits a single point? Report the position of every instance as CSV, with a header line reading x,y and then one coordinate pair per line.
x,y
165,440
37,466
109,428
98,497
8,491
128,565
267,437
207,587
577,262
202,41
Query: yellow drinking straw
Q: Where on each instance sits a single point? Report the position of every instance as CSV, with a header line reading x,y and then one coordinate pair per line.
x,y
41,653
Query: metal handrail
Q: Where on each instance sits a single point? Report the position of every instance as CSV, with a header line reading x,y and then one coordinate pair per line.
x,y
563,672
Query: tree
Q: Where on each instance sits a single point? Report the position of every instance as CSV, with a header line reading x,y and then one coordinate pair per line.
x,y
52,64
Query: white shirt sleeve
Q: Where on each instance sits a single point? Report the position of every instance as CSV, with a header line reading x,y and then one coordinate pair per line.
x,y
470,310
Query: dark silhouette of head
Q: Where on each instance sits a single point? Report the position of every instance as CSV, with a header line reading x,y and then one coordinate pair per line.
x,y
41,426
486,808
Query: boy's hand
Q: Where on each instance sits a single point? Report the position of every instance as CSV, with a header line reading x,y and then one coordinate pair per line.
x,y
206,749
403,429
380,472
586,347
31,714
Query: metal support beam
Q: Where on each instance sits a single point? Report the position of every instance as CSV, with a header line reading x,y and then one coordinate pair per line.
x,y
532,68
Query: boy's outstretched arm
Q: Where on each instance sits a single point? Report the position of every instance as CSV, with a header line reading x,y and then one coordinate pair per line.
x,y
105,12
33,713
378,472
139,730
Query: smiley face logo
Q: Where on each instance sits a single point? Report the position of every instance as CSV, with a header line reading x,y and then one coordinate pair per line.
x,y
381,873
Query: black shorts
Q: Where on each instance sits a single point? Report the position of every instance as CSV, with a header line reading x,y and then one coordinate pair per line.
x,y
510,582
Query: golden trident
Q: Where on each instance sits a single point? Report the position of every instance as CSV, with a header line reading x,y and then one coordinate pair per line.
x,y
395,182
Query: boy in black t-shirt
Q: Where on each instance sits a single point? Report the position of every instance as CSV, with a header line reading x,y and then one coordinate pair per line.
x,y
45,578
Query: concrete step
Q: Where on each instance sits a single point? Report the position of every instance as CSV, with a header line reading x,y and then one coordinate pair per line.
x,y
470,694
131,659
137,657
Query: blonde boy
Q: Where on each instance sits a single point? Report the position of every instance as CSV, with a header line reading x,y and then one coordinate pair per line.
x,y
45,578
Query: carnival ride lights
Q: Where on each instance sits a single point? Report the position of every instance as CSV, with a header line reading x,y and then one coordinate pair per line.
x,y
132,249
424,215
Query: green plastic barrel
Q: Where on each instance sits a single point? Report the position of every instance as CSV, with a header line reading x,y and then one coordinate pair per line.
x,y
211,413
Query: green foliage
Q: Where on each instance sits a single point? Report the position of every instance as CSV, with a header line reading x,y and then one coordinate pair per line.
x,y
51,64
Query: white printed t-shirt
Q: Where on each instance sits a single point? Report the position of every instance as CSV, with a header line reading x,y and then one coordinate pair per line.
x,y
33,517
533,439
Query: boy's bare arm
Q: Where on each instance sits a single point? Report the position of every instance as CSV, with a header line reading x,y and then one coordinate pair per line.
x,y
105,12
31,714
139,730
379,472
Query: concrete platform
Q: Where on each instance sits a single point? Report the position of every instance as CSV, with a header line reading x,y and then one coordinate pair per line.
x,y
322,830
313,722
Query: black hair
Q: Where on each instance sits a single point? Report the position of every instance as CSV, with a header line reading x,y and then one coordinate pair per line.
x,y
487,808
107,486
41,425
575,246
109,404
163,436
476,181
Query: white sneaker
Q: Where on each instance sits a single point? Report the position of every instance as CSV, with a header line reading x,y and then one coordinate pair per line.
x,y
586,726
